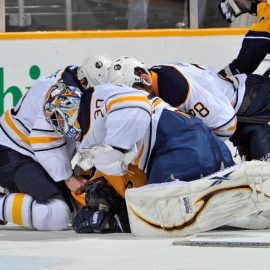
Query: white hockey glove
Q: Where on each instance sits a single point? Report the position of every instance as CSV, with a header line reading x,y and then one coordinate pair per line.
x,y
106,159
230,9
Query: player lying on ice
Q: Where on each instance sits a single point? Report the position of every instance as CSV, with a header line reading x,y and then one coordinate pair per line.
x,y
35,161
119,126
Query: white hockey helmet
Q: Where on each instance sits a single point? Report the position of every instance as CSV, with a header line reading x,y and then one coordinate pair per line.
x,y
127,70
61,110
95,70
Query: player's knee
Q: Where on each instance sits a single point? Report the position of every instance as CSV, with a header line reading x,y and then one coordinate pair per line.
x,y
52,216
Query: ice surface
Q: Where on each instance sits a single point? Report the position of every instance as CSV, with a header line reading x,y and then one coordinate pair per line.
x,y
24,249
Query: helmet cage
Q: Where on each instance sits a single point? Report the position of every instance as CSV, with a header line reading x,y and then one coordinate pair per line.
x,y
61,112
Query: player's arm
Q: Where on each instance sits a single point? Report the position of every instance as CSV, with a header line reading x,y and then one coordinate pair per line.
x,y
128,118
230,9
255,45
51,150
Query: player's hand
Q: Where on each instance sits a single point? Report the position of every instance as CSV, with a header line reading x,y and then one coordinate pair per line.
x,y
226,11
77,184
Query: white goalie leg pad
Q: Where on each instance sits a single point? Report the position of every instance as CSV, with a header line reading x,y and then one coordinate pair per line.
x,y
52,216
185,208
256,221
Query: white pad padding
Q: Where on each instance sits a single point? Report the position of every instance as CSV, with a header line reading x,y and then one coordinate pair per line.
x,y
185,208
52,216
256,221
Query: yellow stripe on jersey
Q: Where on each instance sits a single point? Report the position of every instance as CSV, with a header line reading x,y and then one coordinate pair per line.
x,y
17,208
137,160
13,126
156,103
126,99
34,140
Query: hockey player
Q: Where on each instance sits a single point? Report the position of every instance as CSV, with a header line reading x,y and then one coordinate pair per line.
x,y
256,43
193,88
121,125
215,100
35,160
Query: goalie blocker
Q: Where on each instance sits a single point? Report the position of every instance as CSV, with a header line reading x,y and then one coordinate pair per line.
x,y
185,208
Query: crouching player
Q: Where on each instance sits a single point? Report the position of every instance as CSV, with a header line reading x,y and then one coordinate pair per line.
x,y
35,160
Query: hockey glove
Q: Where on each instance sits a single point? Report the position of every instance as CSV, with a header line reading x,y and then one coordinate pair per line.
x,y
88,221
230,9
100,195
229,70
105,211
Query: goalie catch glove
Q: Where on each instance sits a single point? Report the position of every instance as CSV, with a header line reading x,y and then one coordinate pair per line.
x,y
230,9
105,211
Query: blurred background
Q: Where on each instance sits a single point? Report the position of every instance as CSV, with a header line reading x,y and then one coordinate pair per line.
x,y
50,15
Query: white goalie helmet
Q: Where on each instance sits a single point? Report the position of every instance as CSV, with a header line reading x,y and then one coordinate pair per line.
x,y
127,70
95,70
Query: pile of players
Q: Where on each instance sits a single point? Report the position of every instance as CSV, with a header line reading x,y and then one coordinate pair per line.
x,y
161,129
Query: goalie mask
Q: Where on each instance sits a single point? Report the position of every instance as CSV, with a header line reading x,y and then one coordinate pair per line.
x,y
61,110
95,70
127,70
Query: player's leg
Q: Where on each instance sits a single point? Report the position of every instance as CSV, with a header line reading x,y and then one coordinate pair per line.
x,y
22,209
259,147
185,208
34,199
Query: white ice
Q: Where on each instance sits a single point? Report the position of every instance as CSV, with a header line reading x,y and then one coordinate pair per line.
x,y
23,249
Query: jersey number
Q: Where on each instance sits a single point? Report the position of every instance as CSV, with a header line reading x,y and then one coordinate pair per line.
x,y
98,111
200,109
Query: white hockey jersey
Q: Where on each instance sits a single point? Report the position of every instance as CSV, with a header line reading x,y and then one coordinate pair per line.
x,y
25,130
121,117
200,91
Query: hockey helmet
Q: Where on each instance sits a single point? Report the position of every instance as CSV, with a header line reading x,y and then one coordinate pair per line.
x,y
127,70
95,70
